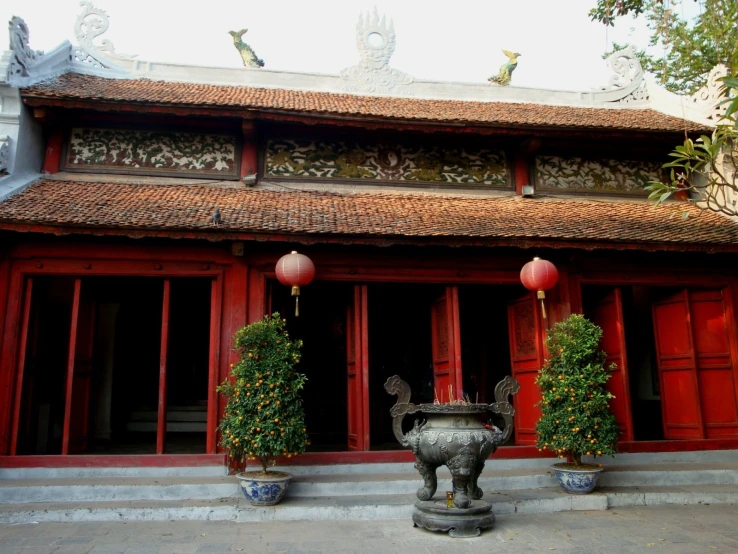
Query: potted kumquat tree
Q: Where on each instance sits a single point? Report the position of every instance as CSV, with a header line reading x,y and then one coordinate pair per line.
x,y
264,416
576,419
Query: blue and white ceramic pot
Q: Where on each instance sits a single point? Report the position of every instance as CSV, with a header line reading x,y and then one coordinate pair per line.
x,y
577,480
264,490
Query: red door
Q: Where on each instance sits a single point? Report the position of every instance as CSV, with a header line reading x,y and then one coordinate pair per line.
x,y
81,378
357,361
680,397
526,347
446,346
607,313
716,375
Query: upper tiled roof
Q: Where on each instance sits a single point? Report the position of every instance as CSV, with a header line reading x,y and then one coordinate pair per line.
x,y
85,87
386,216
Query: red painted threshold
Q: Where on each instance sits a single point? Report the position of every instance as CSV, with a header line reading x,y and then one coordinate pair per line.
x,y
144,460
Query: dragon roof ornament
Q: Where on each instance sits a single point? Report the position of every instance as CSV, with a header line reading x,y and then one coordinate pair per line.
x,y
375,39
90,24
4,155
23,56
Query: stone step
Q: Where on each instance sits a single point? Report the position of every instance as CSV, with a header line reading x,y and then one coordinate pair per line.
x,y
361,507
16,491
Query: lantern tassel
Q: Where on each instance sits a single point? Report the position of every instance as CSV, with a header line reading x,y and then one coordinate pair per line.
x,y
297,306
542,297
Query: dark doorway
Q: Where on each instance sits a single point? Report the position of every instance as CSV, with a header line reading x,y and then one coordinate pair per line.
x,y
485,340
42,402
399,344
116,367
642,367
321,326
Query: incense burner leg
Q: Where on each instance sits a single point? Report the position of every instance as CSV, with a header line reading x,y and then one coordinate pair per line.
x,y
475,493
462,467
430,481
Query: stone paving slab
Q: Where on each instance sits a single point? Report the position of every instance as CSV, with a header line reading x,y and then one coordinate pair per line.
x,y
667,529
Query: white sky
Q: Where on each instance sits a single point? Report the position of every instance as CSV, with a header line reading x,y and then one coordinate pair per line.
x,y
446,40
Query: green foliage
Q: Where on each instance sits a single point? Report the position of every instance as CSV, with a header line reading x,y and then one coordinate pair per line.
x,y
705,169
264,417
576,417
687,49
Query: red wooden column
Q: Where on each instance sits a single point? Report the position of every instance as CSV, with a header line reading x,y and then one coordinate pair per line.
x,y
161,422
249,150
455,336
216,295
8,356
21,366
70,366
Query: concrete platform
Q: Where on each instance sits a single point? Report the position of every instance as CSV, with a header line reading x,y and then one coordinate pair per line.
x,y
90,489
364,507
361,491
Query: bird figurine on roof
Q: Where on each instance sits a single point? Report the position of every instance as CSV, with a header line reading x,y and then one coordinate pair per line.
x,y
248,55
503,77
216,219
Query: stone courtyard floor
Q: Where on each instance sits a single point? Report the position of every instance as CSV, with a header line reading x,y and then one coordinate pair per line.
x,y
678,529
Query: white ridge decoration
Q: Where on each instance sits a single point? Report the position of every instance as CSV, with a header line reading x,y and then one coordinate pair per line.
x,y
710,95
375,39
24,57
90,24
627,68
4,154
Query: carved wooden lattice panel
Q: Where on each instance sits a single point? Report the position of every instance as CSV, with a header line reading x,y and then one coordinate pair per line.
x,y
388,162
151,152
525,330
598,175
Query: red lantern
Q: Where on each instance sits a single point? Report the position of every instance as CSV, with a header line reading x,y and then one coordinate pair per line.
x,y
295,270
540,276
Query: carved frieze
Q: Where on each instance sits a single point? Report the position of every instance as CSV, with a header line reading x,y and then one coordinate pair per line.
x,y
320,159
147,152
595,175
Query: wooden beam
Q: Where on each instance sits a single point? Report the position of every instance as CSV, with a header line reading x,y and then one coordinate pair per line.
x,y
70,366
216,296
25,321
161,421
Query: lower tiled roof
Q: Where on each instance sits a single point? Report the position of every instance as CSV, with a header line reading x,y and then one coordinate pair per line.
x,y
416,216
73,87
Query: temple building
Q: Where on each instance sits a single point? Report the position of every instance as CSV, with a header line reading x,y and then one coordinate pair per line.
x,y
143,207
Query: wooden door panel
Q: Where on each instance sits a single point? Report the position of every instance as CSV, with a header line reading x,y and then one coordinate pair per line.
x,y
607,313
526,359
715,374
357,370
354,382
440,346
446,345
680,398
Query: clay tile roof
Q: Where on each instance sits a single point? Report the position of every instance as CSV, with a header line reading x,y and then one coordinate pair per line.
x,y
389,216
73,86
